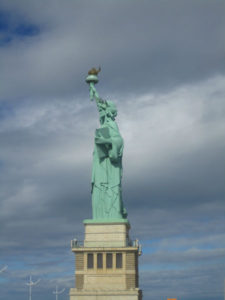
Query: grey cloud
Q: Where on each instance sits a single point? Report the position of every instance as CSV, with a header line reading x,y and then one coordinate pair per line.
x,y
162,64
47,155
195,283
140,46
196,256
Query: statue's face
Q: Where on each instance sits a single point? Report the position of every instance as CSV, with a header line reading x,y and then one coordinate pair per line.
x,y
112,112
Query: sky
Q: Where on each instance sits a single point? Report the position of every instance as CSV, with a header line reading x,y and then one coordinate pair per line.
x,y
163,65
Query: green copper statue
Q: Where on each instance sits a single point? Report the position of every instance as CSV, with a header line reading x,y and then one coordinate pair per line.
x,y
107,159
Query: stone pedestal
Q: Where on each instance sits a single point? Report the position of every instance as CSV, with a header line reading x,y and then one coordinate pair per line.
x,y
106,263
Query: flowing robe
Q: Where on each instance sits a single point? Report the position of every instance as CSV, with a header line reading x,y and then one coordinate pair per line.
x,y
107,169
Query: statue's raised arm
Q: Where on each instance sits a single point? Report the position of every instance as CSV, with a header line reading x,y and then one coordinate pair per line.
x,y
92,79
107,201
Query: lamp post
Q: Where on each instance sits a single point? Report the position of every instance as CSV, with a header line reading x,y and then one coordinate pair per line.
x,y
4,269
56,292
30,284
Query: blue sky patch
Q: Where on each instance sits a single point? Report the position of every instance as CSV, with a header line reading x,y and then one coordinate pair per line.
x,y
4,21
14,26
24,29
6,110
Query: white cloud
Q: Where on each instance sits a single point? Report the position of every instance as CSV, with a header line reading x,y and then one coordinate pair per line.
x,y
171,118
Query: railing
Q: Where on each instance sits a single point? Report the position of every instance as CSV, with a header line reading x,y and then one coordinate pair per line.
x,y
76,244
135,243
129,243
132,243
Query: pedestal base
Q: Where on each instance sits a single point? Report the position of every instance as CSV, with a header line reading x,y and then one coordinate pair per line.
x,y
106,263
105,295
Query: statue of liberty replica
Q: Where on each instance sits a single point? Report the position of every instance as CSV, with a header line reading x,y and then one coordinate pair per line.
x,y
107,159
107,260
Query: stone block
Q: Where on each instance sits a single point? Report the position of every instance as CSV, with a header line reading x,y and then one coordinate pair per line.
x,y
105,295
106,235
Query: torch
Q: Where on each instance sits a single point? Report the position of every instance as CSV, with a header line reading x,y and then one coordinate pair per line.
x,y
92,79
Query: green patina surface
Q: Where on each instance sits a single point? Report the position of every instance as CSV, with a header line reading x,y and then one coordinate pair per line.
x,y
97,221
107,204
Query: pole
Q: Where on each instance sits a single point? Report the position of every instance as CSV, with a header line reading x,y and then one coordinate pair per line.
x,y
56,292
4,269
30,284
30,290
